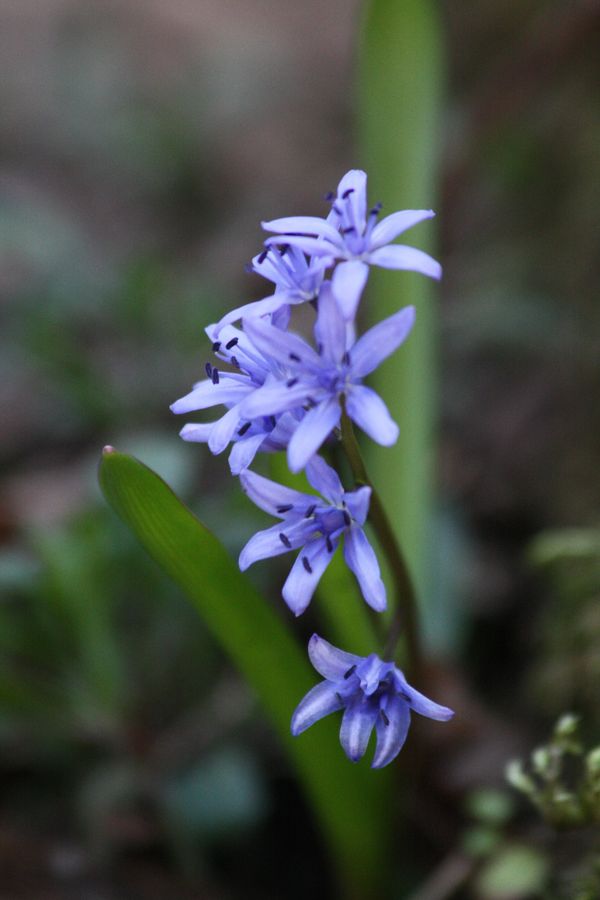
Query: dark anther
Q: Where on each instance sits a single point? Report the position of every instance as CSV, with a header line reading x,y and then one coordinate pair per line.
x,y
295,357
244,428
216,346
307,565
376,210
311,402
347,518
346,358
273,421
348,230
284,249
383,715
337,210
285,540
208,369
347,193
231,343
234,362
350,672
215,376
263,256
308,234
310,511
291,382
329,196
285,508
328,543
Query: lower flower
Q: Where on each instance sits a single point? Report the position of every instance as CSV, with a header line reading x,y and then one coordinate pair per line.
x,y
373,694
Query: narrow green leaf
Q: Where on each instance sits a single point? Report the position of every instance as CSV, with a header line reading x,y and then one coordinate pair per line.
x,y
348,800
399,95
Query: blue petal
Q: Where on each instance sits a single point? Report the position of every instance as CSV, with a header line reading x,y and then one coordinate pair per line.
x,y
420,703
243,452
378,342
361,559
276,397
356,181
391,729
256,309
319,702
348,281
207,394
320,247
270,496
330,328
312,431
325,480
330,661
370,413
390,227
265,544
288,349
357,725
196,431
223,430
281,317
358,503
305,225
398,256
305,574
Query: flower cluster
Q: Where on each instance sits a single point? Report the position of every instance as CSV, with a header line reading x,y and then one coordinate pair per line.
x,y
282,392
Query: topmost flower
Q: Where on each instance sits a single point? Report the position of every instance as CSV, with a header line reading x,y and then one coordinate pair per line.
x,y
355,238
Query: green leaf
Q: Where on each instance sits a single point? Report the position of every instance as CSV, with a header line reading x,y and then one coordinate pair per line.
x,y
399,94
348,801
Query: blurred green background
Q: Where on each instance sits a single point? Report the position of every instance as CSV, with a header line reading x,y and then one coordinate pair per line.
x,y
141,143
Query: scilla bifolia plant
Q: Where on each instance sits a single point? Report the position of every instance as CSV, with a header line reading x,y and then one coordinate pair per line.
x,y
282,392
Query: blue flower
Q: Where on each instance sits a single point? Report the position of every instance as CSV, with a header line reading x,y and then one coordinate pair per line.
x,y
321,381
296,279
354,237
230,389
372,693
316,526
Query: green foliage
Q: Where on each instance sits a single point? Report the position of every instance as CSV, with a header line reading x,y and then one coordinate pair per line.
x,y
347,800
566,795
399,101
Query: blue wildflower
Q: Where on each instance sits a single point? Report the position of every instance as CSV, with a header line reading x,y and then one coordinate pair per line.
x,y
355,238
296,279
372,693
229,388
321,381
316,526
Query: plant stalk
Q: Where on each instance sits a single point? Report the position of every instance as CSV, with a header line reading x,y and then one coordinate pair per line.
x,y
405,617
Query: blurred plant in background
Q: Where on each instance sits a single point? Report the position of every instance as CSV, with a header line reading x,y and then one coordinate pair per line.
x,y
133,148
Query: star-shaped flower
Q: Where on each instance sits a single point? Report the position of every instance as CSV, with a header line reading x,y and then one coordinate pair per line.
x,y
315,525
296,279
230,389
354,237
373,694
322,380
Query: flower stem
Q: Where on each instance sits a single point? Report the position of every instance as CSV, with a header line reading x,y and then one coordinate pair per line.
x,y
406,615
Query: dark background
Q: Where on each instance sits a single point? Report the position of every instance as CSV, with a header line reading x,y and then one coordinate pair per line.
x,y
141,144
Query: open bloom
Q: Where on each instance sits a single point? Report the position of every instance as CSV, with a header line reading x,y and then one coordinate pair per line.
x,y
315,525
372,693
321,381
296,279
230,389
355,238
